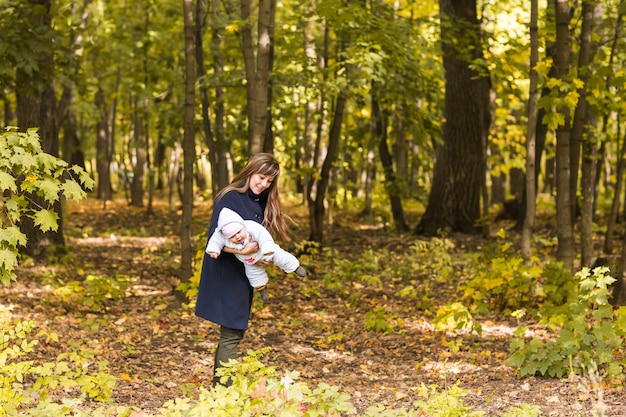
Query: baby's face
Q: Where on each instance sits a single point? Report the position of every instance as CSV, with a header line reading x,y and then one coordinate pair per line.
x,y
238,237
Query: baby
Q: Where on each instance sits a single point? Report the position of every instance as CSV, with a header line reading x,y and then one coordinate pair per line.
x,y
234,232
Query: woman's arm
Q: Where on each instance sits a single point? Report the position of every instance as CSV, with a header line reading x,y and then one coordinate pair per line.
x,y
251,247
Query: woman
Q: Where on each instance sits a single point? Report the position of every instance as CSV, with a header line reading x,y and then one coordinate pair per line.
x,y
224,293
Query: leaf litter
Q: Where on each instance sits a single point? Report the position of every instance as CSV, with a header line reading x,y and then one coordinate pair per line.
x,y
159,350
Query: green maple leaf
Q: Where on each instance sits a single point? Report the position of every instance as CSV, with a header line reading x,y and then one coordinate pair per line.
x,y
47,220
72,190
8,259
7,182
48,188
13,236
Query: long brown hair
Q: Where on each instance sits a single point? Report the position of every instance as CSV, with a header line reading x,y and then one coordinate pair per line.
x,y
264,164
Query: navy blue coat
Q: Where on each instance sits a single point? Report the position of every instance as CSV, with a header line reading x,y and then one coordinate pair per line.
x,y
224,293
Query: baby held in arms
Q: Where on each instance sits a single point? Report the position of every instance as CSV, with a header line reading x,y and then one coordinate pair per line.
x,y
234,232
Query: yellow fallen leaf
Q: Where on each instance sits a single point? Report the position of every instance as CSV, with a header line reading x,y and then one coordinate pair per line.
x,y
125,377
400,395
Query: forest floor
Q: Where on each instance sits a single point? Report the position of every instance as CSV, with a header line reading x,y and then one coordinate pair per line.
x,y
158,349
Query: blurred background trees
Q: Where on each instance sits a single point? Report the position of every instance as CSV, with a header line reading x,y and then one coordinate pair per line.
x,y
374,104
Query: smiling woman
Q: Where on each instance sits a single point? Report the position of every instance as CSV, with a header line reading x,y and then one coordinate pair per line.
x,y
224,293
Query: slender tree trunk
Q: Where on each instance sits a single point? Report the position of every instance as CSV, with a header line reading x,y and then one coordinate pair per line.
x,y
217,158
159,160
582,118
565,230
317,209
312,108
173,175
103,163
454,200
608,238
619,287
531,182
386,159
220,171
619,183
318,129
257,71
139,169
189,154
268,139
369,174
321,185
588,181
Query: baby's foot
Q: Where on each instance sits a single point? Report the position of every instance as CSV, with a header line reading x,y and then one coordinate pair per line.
x,y
301,272
264,294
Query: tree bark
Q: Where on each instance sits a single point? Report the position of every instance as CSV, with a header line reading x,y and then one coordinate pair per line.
x,y
189,154
316,207
582,118
139,169
608,237
386,159
564,224
36,107
454,200
257,71
531,182
215,141
103,157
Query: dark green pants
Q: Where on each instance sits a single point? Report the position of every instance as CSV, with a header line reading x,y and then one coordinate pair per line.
x,y
226,348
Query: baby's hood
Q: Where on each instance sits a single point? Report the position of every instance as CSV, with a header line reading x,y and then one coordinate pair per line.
x,y
227,220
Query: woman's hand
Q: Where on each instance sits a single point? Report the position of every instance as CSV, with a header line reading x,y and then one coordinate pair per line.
x,y
251,247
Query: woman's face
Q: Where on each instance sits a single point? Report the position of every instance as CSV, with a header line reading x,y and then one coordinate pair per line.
x,y
260,183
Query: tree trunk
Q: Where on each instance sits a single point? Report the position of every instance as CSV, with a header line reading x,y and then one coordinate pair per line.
x,y
315,129
257,71
391,184
189,154
103,161
215,141
531,181
582,118
139,148
454,200
564,225
316,207
619,287
321,184
608,238
222,144
36,107
619,175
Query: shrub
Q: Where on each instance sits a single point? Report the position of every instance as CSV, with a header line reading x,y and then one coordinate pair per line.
x,y
592,332
28,387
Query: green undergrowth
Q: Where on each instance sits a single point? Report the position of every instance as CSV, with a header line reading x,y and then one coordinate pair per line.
x,y
68,387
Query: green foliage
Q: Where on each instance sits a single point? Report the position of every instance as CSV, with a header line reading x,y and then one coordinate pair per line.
x,y
25,170
558,290
455,317
379,320
430,259
256,389
27,387
93,292
503,282
445,404
592,332
190,289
